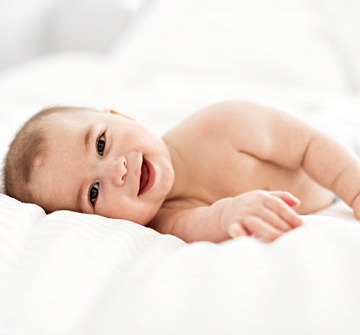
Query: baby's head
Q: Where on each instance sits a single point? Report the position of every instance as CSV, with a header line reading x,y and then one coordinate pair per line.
x,y
79,159
28,145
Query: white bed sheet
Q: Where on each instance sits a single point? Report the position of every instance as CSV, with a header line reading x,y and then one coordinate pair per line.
x,y
70,273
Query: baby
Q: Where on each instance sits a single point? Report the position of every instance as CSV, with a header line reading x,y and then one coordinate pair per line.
x,y
231,169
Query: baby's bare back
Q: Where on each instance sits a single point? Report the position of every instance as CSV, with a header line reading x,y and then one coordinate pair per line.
x,y
210,165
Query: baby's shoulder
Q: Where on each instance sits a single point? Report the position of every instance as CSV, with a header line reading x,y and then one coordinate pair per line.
x,y
213,119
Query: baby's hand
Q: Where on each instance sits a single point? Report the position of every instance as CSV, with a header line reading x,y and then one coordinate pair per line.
x,y
262,214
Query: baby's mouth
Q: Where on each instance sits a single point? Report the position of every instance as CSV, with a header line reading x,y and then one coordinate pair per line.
x,y
147,176
144,176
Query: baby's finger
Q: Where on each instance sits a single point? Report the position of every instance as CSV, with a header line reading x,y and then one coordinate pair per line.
x,y
285,212
287,197
274,219
259,228
237,230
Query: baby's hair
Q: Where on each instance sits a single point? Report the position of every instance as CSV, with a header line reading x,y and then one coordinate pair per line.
x,y
29,144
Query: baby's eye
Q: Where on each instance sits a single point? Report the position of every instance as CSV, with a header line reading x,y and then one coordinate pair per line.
x,y
94,192
101,145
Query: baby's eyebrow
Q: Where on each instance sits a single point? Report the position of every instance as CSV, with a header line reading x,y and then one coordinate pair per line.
x,y
87,137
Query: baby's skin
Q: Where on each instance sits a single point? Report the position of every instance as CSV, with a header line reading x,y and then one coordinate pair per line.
x,y
231,169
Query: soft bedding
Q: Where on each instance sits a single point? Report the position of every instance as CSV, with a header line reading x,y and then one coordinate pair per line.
x,y
71,273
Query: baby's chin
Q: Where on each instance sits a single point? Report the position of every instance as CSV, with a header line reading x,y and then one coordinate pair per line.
x,y
138,215
145,218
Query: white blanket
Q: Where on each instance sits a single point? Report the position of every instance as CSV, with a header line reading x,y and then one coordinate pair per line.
x,y
70,273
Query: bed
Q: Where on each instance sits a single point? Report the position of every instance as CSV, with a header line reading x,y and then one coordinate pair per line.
x,y
71,273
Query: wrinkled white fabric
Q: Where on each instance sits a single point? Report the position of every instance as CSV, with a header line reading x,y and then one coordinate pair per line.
x,y
70,273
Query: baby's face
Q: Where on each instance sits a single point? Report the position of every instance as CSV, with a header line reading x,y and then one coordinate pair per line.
x,y
103,163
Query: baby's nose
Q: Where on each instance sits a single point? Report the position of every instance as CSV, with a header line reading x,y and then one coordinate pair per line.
x,y
118,171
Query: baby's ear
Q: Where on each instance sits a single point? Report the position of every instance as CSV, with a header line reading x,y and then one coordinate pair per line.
x,y
112,111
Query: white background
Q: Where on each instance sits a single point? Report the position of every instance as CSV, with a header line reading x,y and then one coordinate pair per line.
x,y
33,27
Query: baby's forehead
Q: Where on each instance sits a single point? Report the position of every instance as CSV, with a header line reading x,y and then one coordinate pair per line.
x,y
60,123
76,113
67,118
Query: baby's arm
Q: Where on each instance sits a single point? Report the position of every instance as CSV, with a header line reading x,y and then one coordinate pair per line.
x,y
262,214
334,166
288,141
